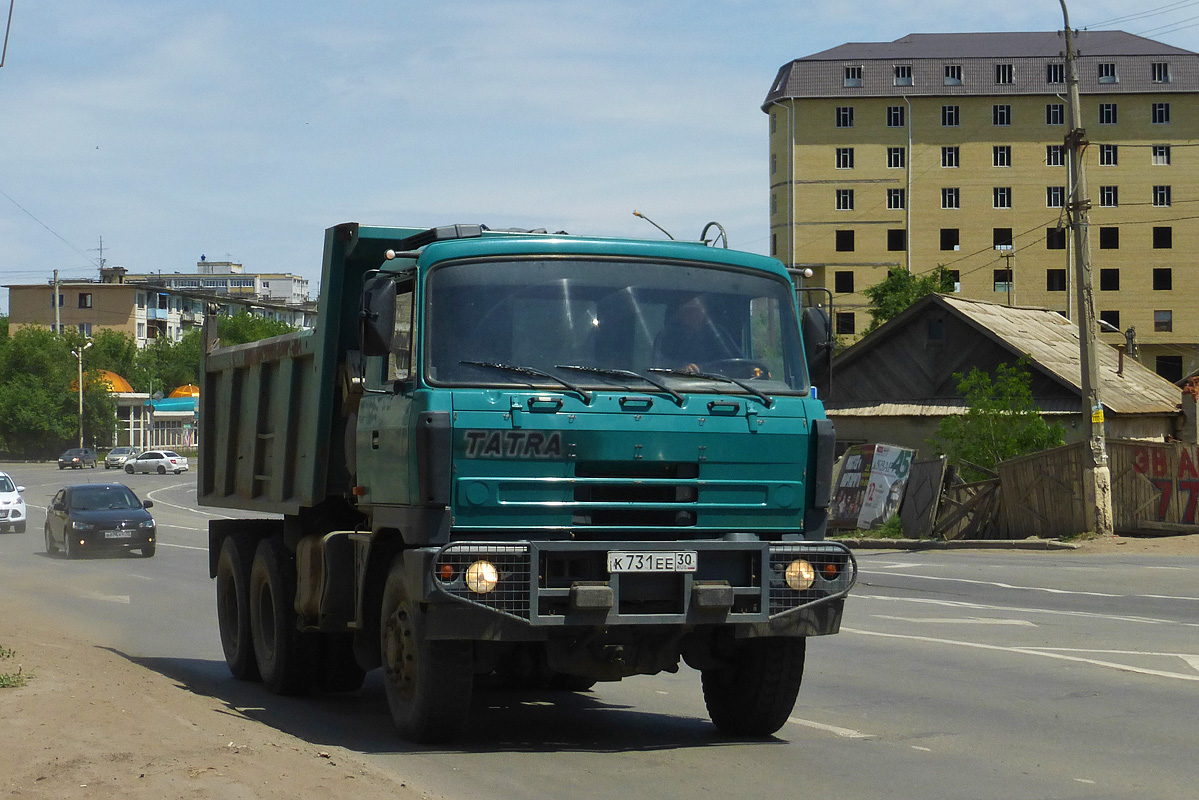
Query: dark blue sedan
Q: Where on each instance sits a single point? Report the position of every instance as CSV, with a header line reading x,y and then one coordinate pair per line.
x,y
99,516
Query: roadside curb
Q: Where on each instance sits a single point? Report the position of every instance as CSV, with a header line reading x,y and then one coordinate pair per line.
x,y
959,544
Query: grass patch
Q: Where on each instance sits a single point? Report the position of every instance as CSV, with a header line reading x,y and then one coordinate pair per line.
x,y
11,680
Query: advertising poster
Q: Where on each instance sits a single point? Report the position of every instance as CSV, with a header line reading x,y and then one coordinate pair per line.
x,y
870,485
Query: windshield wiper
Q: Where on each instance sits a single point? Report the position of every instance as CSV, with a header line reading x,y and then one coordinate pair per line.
x,y
713,376
626,373
582,393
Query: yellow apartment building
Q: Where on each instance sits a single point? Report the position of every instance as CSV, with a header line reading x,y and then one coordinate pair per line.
x,y
947,150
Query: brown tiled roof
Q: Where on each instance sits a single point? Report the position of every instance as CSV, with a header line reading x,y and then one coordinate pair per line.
x,y
998,45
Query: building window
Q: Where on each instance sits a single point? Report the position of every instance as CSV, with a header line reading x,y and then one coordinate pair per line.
x,y
844,241
896,198
1161,155
1109,155
1055,114
955,277
1109,238
1002,237
951,198
1163,279
1169,367
845,323
1111,318
895,116
774,163
1163,321
141,330
950,156
953,74
1161,113
1004,73
844,116
1055,280
844,158
85,299
950,239
896,157
1055,238
1109,280
843,281
1109,196
1001,115
845,199
1107,73
774,244
950,116
1003,280
1055,196
774,203
903,75
1055,155
853,76
141,300
1002,196
1159,72
1161,195
1163,238
1001,155
1055,73
774,122
85,328
897,239
1107,114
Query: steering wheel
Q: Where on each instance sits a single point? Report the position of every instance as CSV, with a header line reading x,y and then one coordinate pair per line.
x,y
745,368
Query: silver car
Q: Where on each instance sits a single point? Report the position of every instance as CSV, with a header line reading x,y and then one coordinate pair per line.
x,y
117,456
160,461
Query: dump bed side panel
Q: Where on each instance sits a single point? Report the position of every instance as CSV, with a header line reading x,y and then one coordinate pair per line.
x,y
262,444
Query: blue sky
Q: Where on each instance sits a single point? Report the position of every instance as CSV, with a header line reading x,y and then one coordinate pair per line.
x,y
242,130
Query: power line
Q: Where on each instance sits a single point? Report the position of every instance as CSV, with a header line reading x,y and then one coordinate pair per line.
x,y
1169,7
53,232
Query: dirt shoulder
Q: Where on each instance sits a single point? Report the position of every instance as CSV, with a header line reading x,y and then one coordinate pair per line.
x,y
91,724
1143,545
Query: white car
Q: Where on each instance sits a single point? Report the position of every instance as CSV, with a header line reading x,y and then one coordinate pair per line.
x,y
12,505
117,456
160,461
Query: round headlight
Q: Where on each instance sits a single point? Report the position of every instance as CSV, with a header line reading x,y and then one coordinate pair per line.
x,y
799,575
482,577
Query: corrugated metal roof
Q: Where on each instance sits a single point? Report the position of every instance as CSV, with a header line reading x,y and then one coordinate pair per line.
x,y
1051,342
833,409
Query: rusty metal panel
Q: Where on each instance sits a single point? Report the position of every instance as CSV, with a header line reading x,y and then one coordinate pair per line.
x,y
919,510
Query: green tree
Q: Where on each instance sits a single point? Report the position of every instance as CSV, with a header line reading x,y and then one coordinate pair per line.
x,y
243,327
900,289
1002,420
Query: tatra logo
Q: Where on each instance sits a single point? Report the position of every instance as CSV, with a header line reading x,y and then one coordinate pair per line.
x,y
513,444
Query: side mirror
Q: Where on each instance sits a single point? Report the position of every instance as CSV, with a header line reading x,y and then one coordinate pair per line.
x,y
148,504
817,340
20,489
378,316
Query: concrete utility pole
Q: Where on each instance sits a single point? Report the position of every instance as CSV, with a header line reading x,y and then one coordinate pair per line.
x,y
79,355
1096,478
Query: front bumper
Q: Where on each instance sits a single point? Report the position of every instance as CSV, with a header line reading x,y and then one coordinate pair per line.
x,y
12,516
553,585
100,540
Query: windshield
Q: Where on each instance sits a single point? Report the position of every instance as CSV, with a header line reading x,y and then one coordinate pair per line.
x,y
559,315
6,484
98,498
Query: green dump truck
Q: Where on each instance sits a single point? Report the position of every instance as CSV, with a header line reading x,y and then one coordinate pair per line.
x,y
527,458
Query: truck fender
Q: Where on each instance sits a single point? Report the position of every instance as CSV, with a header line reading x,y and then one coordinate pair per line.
x,y
246,534
385,546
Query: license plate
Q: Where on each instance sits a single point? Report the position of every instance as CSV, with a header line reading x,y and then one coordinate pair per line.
x,y
652,561
118,534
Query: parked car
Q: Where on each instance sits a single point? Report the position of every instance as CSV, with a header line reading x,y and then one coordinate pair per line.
x,y
117,456
78,458
12,505
95,516
160,461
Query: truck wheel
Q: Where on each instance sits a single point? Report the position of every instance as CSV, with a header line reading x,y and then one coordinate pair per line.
x,y
286,657
428,683
233,611
338,670
754,695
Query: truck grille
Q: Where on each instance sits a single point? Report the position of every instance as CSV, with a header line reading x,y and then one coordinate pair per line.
x,y
834,574
511,595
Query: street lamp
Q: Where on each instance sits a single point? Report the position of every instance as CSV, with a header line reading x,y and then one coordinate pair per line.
x,y
79,355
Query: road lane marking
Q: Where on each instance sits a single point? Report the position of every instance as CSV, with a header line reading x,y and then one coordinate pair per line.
x,y
844,733
997,584
1029,651
1016,609
182,546
959,620
108,598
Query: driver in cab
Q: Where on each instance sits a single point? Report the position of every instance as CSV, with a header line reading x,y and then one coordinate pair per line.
x,y
690,338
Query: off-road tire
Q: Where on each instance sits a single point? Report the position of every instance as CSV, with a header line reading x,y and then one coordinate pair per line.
x,y
428,683
754,694
233,611
286,657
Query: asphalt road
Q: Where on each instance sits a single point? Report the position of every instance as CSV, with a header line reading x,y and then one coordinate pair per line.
x,y
960,674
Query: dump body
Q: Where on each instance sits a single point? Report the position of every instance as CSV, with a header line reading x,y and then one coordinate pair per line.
x,y
596,456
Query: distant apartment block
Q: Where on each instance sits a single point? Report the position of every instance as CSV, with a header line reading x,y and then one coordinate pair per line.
x,y
948,149
228,277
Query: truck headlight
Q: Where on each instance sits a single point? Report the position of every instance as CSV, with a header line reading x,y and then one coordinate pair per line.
x,y
482,577
799,575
